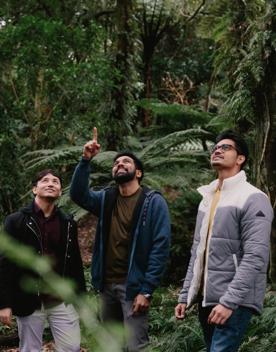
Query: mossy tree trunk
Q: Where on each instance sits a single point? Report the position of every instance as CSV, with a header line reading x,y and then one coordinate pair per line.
x,y
121,94
270,153
265,130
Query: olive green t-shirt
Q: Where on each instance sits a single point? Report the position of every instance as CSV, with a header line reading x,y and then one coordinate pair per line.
x,y
116,263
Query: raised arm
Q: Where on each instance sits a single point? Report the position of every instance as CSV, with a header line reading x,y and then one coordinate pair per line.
x,y
79,190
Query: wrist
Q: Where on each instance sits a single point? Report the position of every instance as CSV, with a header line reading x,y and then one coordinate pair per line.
x,y
148,296
84,157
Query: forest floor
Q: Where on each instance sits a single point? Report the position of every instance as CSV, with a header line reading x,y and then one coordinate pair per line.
x,y
47,347
86,234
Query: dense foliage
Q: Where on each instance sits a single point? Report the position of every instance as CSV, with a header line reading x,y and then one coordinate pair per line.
x,y
160,77
170,335
150,78
166,334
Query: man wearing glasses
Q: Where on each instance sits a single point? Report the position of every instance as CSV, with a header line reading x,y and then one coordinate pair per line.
x,y
229,257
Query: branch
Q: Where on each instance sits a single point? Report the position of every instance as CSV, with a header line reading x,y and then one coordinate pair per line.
x,y
267,129
48,116
45,8
17,99
268,119
153,15
196,11
103,13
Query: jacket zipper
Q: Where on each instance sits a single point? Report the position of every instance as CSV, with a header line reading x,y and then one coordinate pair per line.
x,y
142,219
235,259
40,244
36,235
67,245
101,245
209,236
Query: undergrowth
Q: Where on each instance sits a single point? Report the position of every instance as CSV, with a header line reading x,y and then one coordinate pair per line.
x,y
169,335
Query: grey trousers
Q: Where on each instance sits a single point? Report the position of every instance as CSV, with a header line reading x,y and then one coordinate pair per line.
x,y
116,308
64,324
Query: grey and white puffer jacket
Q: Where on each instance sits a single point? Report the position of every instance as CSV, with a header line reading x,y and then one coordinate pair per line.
x,y
237,248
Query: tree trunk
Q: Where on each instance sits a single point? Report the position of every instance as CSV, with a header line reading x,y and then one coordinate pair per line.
x,y
265,156
121,93
148,89
264,168
270,153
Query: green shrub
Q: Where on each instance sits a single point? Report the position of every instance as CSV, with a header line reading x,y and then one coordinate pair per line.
x,y
168,334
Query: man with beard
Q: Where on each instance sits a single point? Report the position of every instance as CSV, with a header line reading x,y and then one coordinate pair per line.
x,y
132,240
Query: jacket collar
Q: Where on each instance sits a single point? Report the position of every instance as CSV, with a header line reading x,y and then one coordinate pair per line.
x,y
29,209
227,185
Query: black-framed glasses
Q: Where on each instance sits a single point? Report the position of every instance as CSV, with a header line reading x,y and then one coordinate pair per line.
x,y
224,147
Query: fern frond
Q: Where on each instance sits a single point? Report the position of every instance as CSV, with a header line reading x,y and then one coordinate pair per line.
x,y
40,159
188,158
163,145
68,155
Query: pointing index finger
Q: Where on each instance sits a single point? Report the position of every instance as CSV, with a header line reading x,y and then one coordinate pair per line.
x,y
95,134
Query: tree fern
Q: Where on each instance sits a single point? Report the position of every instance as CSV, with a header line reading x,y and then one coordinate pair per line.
x,y
165,144
167,161
44,157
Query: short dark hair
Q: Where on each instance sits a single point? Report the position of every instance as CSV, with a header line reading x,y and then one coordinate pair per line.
x,y
240,143
43,173
138,163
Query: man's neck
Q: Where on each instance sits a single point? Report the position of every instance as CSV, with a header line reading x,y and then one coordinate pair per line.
x,y
226,173
129,188
45,205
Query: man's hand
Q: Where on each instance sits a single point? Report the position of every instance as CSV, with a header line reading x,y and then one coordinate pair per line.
x,y
179,311
219,314
6,316
140,305
91,148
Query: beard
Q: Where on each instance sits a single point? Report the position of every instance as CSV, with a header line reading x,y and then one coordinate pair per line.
x,y
124,177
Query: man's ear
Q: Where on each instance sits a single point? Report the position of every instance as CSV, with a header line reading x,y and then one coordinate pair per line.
x,y
34,190
241,159
138,173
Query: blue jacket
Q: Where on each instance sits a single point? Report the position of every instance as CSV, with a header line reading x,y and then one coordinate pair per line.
x,y
150,235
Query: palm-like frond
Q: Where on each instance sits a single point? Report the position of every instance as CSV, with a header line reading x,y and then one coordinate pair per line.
x,y
168,161
42,158
154,163
164,145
